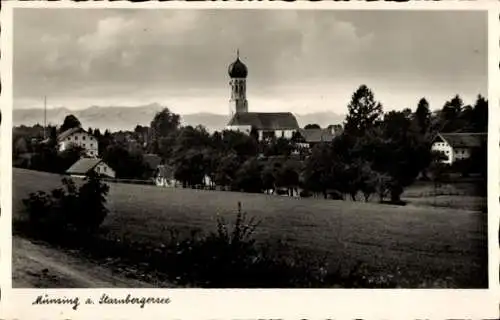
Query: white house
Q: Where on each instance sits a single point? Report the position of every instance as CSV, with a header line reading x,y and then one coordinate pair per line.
x,y
78,137
458,146
85,166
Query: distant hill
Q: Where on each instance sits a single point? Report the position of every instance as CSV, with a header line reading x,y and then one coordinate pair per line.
x,y
117,118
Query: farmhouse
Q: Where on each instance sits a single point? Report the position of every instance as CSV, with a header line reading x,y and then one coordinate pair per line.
x,y
78,137
85,166
164,177
310,137
458,146
265,125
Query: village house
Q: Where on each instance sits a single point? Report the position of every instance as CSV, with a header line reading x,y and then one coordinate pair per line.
x,y
78,137
458,146
310,137
164,177
85,166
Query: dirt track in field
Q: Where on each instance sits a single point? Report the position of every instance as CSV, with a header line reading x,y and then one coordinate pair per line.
x,y
36,265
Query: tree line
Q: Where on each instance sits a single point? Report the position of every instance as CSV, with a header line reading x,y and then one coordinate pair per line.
x,y
377,153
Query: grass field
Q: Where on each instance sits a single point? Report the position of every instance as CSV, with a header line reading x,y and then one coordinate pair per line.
x,y
426,242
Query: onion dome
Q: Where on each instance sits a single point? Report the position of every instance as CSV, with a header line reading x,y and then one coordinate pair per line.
x,y
238,69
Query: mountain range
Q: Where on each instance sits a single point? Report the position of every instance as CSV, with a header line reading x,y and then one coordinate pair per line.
x,y
117,118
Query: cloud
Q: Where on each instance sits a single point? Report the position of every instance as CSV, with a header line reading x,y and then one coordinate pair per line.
x,y
135,55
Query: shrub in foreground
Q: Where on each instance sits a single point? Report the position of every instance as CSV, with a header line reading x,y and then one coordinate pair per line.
x,y
68,208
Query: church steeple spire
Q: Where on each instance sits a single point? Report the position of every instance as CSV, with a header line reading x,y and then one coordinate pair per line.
x,y
238,73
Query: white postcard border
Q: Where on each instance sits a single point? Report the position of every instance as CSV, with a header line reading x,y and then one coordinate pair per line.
x,y
262,304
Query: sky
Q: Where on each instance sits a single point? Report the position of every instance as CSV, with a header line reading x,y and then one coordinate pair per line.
x,y
300,61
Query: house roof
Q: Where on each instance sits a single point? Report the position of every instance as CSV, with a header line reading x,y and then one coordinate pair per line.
x,y
265,121
316,135
63,135
83,166
152,160
165,171
464,140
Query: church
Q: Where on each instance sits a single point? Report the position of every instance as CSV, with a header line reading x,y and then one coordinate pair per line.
x,y
266,124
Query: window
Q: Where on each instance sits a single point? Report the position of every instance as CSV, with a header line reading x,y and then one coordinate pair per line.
x,y
69,138
91,145
104,168
83,137
76,137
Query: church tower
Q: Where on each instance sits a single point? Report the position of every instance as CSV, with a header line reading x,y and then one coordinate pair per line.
x,y
238,73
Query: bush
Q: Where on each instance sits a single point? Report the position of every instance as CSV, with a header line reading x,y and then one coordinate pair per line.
x,y
69,208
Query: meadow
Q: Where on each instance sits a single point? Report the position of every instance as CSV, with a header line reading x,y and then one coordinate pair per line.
x,y
422,241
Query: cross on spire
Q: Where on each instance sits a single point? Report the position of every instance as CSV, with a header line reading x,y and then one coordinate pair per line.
x,y
237,53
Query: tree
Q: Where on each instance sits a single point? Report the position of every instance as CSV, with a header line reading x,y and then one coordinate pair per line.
x,y
438,171
400,154
267,176
45,158
363,112
190,168
69,156
423,116
318,170
450,115
163,125
226,171
70,121
240,143
248,176
288,177
312,126
127,165
104,141
278,147
480,115
92,209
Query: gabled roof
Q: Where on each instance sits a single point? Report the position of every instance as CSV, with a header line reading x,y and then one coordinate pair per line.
x,y
265,121
316,135
464,140
63,135
83,166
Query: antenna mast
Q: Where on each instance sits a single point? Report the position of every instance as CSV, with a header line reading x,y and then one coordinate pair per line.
x,y
44,117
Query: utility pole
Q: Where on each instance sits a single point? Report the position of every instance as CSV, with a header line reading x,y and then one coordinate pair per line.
x,y
44,117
